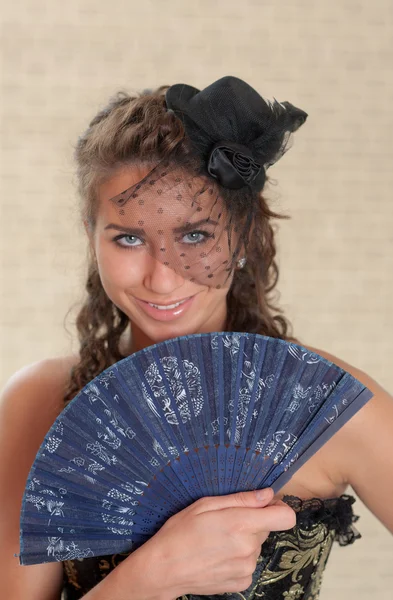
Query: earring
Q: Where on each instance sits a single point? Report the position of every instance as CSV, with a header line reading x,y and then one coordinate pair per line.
x,y
241,262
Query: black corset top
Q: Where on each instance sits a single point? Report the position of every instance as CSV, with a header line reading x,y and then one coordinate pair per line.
x,y
290,566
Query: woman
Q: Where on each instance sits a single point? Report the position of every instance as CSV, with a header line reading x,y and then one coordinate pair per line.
x,y
181,242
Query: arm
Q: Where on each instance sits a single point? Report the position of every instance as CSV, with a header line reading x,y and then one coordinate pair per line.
x,y
369,463
138,577
27,410
364,447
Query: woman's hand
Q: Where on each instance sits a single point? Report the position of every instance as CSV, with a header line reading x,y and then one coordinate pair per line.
x,y
212,546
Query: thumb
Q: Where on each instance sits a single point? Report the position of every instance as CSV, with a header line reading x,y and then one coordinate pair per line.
x,y
252,499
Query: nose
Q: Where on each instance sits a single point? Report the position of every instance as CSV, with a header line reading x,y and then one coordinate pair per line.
x,y
160,278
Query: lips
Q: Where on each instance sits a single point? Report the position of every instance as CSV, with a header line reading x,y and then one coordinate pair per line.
x,y
165,314
166,304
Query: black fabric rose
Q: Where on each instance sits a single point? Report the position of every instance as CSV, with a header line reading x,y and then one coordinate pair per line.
x,y
233,165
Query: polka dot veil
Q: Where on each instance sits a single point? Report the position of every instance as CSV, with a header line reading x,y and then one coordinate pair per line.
x,y
194,210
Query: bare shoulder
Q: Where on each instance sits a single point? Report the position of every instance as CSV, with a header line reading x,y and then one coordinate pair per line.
x,y
49,370
29,404
46,379
32,399
361,375
363,448
380,405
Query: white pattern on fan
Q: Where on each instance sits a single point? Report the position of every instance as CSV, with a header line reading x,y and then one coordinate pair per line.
x,y
172,371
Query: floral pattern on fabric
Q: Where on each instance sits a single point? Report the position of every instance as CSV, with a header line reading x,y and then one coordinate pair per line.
x,y
290,566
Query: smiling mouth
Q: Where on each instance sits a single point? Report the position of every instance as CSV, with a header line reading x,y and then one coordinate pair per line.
x,y
167,306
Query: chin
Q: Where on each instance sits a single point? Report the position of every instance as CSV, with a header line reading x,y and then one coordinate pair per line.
x,y
166,331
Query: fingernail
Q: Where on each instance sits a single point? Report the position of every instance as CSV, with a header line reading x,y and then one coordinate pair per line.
x,y
262,494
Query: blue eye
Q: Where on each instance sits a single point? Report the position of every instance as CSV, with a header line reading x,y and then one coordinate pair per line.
x,y
123,241
202,236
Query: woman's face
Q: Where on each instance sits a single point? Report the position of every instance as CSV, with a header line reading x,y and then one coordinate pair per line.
x,y
134,280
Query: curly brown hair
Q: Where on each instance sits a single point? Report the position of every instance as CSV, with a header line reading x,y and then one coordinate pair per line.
x,y
138,129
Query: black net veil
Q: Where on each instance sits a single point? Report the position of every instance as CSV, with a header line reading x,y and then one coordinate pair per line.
x,y
186,222
194,210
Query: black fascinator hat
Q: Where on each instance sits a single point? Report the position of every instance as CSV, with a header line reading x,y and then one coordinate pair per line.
x,y
237,133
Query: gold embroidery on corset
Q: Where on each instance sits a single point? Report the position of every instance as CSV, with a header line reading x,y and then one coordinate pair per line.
x,y
295,591
317,576
304,547
72,573
300,548
105,566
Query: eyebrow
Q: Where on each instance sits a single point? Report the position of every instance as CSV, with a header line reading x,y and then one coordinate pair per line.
x,y
181,229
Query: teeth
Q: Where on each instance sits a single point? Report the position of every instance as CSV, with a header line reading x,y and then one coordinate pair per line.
x,y
166,307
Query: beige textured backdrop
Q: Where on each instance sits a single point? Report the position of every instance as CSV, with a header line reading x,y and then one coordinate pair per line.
x,y
61,61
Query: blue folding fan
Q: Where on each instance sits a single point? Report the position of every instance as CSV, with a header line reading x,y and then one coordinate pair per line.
x,y
194,416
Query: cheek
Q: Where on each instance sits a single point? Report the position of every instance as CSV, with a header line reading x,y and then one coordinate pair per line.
x,y
118,269
217,297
